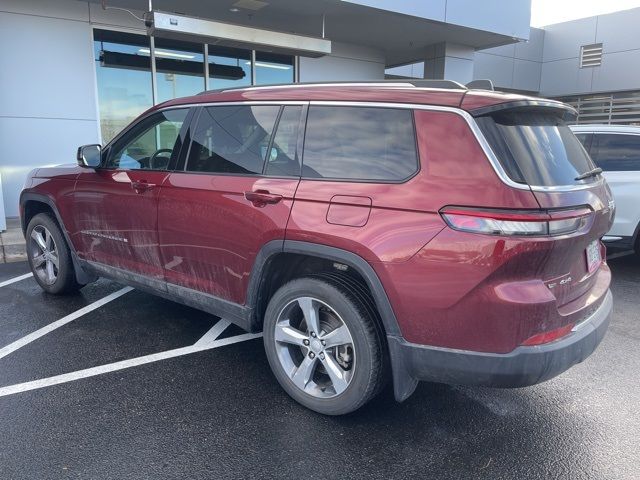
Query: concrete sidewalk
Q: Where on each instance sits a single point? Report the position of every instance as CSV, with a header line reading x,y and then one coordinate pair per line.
x,y
12,244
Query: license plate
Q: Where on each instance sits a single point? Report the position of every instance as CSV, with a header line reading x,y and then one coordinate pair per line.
x,y
593,256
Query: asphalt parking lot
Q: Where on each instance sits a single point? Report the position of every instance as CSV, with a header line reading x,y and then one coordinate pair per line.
x,y
115,383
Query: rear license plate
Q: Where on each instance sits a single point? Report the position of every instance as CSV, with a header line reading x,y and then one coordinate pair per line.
x,y
593,256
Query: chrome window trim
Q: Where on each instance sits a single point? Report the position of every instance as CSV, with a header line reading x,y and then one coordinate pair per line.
x,y
484,144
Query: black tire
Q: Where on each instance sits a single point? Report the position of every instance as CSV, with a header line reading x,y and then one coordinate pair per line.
x,y
369,371
65,279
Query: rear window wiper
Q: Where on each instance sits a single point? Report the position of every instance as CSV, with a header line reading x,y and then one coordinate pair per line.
x,y
590,173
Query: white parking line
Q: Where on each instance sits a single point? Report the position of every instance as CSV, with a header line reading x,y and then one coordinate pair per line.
x,y
121,365
12,347
213,333
15,279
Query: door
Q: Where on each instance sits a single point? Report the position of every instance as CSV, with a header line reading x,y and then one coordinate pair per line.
x,y
116,206
618,155
233,195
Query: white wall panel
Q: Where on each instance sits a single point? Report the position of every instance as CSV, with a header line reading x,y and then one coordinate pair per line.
x,y
28,143
46,68
47,88
65,9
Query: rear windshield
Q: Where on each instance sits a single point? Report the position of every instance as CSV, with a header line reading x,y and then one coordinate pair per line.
x,y
536,147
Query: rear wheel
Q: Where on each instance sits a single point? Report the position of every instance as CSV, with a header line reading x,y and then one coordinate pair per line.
x,y
323,346
49,256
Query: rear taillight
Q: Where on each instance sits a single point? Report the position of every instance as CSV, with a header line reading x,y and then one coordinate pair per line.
x,y
547,337
517,222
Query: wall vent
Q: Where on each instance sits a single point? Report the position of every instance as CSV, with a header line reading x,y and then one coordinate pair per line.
x,y
591,55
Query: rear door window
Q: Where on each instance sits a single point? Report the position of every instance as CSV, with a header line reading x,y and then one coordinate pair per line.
x,y
359,143
232,139
536,147
616,152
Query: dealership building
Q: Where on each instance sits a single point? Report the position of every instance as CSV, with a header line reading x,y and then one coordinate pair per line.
x,y
76,72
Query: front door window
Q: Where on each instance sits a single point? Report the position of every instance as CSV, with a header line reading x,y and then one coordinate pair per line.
x,y
151,144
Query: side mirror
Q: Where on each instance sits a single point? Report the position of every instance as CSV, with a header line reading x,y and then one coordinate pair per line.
x,y
89,156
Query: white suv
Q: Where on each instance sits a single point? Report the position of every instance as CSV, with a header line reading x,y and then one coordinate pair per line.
x,y
616,149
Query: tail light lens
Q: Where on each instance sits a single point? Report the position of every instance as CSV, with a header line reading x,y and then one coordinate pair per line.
x,y
517,222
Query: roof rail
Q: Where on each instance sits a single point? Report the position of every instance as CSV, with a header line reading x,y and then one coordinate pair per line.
x,y
450,84
417,83
481,84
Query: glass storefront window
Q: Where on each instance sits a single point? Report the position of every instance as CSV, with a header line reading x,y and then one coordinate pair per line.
x,y
229,67
124,79
179,68
123,71
273,68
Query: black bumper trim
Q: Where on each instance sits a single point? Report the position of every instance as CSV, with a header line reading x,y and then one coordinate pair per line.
x,y
522,367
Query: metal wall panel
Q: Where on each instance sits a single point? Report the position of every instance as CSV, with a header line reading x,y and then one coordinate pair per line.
x,y
619,31
507,17
526,75
563,40
619,71
563,77
497,68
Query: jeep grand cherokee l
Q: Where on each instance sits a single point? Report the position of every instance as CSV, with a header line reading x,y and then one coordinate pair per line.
x,y
371,231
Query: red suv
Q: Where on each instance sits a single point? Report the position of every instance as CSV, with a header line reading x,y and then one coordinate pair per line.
x,y
371,231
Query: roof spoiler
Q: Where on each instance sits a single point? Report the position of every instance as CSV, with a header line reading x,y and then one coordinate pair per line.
x,y
530,102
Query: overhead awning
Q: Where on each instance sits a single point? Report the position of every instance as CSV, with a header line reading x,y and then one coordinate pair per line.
x,y
170,25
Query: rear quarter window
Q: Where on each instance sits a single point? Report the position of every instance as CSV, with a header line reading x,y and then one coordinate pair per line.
x,y
360,143
616,152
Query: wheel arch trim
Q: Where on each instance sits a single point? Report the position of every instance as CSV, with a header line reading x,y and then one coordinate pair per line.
x,y
359,264
404,384
82,276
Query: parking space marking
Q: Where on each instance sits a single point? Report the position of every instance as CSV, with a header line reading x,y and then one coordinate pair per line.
x,y
12,347
15,279
213,333
123,364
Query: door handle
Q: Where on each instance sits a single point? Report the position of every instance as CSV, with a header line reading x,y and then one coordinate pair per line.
x,y
141,186
260,198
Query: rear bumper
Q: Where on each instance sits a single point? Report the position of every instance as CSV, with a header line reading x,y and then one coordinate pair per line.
x,y
522,367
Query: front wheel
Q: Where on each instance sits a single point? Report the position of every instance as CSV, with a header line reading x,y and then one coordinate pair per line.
x,y
49,256
323,346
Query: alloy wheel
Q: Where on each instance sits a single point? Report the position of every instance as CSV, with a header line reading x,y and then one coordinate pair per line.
x,y
315,347
44,255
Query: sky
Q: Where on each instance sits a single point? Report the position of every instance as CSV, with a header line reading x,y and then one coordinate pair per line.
x,y
546,12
